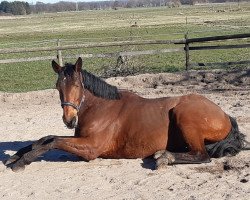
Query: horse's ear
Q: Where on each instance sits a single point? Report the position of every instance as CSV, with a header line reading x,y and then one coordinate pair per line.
x,y
78,65
57,68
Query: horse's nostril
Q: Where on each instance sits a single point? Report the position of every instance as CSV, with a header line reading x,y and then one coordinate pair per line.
x,y
73,121
70,123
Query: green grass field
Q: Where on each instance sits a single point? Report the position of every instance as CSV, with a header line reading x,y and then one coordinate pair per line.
x,y
115,25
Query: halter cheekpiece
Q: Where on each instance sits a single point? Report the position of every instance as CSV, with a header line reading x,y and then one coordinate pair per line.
x,y
77,107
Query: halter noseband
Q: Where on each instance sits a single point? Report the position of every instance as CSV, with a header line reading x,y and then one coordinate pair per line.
x,y
72,104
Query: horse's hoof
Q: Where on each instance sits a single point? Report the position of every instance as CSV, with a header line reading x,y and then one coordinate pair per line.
x,y
161,165
11,160
15,167
158,154
164,160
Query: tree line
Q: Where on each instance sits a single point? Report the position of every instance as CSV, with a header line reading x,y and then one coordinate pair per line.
x,y
15,8
99,5
23,8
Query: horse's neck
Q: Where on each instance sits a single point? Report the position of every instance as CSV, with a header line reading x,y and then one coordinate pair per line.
x,y
90,100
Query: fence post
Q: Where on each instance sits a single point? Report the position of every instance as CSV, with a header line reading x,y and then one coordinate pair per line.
x,y
59,54
187,51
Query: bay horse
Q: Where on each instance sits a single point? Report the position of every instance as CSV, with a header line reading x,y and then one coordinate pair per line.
x,y
112,123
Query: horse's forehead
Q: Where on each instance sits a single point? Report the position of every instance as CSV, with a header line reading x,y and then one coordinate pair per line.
x,y
66,74
62,79
67,77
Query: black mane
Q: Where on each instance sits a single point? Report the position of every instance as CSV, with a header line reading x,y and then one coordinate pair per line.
x,y
98,87
94,84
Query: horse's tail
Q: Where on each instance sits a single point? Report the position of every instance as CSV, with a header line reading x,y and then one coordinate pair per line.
x,y
231,145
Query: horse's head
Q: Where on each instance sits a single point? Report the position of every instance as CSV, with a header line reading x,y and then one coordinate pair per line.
x,y
71,90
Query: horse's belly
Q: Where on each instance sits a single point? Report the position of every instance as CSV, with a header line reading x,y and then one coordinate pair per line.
x,y
137,147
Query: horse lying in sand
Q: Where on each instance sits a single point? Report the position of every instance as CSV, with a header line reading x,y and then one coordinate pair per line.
x,y
112,123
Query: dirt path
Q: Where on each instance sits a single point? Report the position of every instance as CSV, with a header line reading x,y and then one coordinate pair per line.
x,y
58,175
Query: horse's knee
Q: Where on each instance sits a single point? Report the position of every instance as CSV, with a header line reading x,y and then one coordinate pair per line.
x,y
43,141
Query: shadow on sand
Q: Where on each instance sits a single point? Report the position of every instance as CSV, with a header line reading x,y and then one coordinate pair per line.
x,y
52,156
148,163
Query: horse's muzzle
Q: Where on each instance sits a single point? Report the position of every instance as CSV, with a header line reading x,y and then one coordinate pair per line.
x,y
72,123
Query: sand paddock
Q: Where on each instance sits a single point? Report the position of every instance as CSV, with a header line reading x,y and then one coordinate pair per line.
x,y
26,117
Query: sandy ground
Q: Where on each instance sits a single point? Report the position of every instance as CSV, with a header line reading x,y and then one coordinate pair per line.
x,y
57,175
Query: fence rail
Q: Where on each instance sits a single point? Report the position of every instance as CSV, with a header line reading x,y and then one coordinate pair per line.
x,y
186,48
90,45
219,47
216,38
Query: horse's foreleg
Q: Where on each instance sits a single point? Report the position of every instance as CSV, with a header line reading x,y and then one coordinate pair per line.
x,y
87,148
26,149
18,155
27,158
82,147
169,158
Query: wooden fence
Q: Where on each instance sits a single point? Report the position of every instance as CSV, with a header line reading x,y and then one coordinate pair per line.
x,y
187,42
